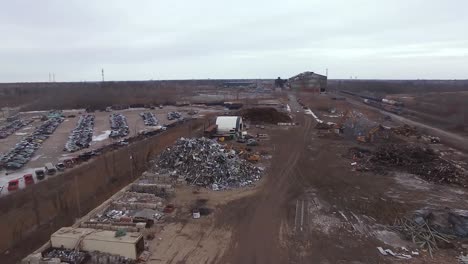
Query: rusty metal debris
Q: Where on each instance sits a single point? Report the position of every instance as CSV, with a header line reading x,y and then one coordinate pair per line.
x,y
412,158
406,130
421,233
205,162
67,255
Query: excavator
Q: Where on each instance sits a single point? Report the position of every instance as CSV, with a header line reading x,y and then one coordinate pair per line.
x,y
369,137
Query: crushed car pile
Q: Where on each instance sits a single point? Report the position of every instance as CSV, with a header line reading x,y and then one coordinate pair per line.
x,y
174,115
149,119
81,135
205,162
119,125
24,150
13,126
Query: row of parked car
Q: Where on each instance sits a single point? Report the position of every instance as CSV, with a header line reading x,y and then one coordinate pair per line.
x,y
23,151
149,119
119,126
49,169
80,137
174,115
11,127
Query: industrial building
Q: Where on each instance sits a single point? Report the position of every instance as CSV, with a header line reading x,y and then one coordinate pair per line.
x,y
309,81
128,245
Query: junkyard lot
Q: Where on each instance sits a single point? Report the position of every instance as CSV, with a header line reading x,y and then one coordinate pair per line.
x,y
52,148
311,207
262,224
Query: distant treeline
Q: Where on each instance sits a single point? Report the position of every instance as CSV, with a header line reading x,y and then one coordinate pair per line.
x,y
380,87
98,95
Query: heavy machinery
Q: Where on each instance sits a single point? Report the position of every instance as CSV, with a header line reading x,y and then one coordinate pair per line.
x,y
369,137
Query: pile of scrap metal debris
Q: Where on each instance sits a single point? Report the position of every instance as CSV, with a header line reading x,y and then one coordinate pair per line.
x,y
12,127
205,162
434,228
81,135
63,255
412,158
406,130
66,255
23,151
119,125
174,115
149,119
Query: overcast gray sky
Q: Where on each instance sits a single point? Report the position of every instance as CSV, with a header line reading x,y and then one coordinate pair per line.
x,y
154,39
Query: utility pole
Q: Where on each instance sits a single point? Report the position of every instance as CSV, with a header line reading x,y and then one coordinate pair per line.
x,y
53,77
102,73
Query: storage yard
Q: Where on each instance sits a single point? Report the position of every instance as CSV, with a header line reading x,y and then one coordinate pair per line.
x,y
289,175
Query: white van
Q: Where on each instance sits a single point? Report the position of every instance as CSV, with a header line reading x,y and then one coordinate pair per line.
x,y
50,169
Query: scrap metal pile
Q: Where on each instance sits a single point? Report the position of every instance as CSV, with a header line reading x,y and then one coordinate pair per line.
x,y
205,162
422,161
434,228
119,125
81,135
67,255
149,119
13,126
406,130
174,115
129,206
24,150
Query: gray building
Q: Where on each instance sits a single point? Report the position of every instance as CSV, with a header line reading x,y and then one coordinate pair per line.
x,y
309,81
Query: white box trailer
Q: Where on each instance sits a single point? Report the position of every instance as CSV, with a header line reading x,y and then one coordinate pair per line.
x,y
87,239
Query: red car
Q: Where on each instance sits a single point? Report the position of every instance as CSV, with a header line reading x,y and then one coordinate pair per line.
x,y
28,179
13,185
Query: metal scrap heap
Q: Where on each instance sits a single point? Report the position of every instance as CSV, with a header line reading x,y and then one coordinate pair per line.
x,y
205,162
149,119
422,161
13,126
119,125
81,135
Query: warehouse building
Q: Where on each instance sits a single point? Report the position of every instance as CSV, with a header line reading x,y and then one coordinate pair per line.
x,y
128,245
309,81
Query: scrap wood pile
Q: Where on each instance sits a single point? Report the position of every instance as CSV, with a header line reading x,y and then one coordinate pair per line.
x,y
266,114
411,158
434,228
205,162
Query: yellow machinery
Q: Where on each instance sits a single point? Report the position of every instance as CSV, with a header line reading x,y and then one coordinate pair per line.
x,y
369,137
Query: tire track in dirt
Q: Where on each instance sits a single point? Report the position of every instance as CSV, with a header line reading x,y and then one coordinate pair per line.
x,y
256,231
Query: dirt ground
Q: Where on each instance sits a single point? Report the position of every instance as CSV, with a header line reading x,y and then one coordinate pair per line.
x,y
311,206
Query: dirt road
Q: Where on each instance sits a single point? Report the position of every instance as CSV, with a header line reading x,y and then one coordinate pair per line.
x,y
257,229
